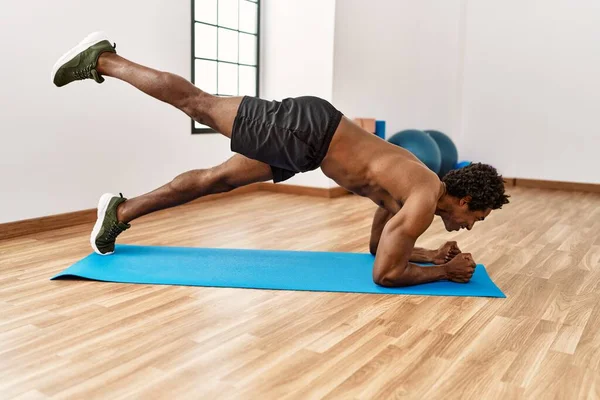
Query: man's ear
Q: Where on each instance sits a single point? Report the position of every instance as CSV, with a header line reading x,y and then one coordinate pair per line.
x,y
465,200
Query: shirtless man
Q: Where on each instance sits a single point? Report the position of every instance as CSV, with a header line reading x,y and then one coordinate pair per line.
x,y
276,140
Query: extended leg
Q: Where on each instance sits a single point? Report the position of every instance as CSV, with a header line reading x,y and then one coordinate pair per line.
x,y
114,212
216,112
235,172
95,58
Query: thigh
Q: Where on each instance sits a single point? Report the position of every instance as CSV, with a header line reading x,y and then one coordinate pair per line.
x,y
222,113
240,170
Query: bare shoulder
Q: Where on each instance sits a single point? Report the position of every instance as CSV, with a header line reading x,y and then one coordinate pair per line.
x,y
406,177
418,196
415,216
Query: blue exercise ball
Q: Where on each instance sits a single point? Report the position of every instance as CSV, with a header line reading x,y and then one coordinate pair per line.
x,y
421,145
447,150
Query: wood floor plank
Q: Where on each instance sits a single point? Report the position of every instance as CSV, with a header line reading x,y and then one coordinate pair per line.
x,y
587,354
535,348
84,339
547,379
338,365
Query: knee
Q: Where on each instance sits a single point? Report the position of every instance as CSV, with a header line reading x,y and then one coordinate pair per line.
x,y
198,106
222,179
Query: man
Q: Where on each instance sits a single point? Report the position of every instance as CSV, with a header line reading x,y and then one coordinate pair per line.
x,y
276,140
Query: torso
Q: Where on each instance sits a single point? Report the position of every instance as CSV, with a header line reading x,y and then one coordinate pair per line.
x,y
371,167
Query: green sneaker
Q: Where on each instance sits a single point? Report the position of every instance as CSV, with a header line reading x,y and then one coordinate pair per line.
x,y
107,226
80,62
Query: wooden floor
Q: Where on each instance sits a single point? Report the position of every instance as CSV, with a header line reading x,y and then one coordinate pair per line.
x,y
85,340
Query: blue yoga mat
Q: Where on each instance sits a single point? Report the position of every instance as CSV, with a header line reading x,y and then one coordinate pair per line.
x,y
259,269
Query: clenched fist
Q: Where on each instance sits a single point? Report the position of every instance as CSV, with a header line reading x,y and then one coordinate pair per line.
x,y
445,253
460,269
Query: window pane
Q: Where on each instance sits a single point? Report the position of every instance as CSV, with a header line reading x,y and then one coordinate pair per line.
x,y
228,79
228,45
248,16
221,48
205,41
205,11
228,13
205,75
247,81
248,49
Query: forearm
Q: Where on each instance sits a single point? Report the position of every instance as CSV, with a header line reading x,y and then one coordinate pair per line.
x,y
413,275
418,254
392,266
422,255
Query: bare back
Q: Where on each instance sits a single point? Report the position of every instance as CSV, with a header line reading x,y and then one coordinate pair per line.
x,y
371,167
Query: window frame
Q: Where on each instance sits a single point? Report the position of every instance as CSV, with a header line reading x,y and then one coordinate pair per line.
x,y
193,57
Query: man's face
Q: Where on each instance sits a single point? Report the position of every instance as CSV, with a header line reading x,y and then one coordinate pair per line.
x,y
461,217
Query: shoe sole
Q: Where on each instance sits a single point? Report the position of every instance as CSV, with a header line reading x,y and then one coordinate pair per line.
x,y
102,206
89,41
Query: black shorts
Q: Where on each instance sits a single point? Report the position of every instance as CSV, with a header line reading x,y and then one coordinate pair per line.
x,y
291,136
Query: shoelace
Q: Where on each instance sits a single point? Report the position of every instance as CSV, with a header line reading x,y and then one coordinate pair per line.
x,y
113,232
84,73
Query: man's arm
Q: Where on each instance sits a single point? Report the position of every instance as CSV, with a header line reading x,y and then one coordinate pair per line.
x,y
381,217
396,243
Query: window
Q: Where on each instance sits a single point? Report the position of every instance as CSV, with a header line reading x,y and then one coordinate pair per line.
x,y
225,48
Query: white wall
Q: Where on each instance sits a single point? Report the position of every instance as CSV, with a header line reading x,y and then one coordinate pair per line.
x,y
62,148
297,57
532,87
398,60
515,83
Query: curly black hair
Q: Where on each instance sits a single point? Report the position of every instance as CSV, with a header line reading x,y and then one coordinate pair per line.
x,y
480,181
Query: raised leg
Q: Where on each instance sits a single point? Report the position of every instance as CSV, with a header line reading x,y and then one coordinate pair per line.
x,y
216,112
236,172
